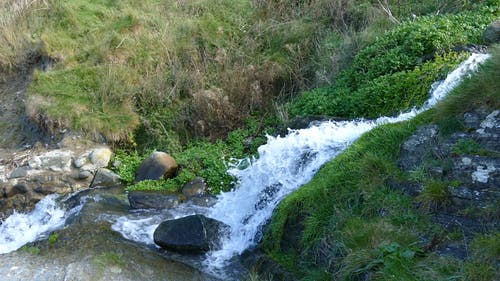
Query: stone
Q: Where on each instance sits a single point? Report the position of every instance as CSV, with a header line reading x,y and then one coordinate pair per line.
x,y
55,160
415,149
153,200
196,187
100,157
19,172
157,165
491,34
83,174
105,178
193,234
203,201
81,160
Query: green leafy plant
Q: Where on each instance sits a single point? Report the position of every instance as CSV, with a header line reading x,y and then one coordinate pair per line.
x,y
53,238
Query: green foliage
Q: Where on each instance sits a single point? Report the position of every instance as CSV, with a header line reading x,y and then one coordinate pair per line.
x,y
53,238
483,265
31,249
128,163
92,99
468,147
480,90
396,72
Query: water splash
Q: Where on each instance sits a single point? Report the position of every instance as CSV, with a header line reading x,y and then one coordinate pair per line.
x,y
286,163
20,229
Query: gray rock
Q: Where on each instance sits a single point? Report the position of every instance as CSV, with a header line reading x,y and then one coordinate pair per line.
x,y
416,148
492,33
158,165
55,160
105,178
203,201
196,187
195,234
19,172
153,200
81,160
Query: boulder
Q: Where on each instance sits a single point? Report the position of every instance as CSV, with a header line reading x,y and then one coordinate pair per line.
x,y
55,160
153,200
492,33
100,157
157,165
105,178
196,187
194,234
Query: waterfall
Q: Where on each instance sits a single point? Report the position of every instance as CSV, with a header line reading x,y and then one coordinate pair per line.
x,y
283,165
286,163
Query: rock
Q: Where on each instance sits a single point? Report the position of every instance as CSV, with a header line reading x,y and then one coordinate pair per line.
x,y
195,234
492,33
83,174
19,172
153,200
55,160
417,146
203,201
81,160
196,187
100,157
105,178
157,165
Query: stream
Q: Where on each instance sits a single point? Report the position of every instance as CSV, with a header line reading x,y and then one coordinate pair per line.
x,y
96,227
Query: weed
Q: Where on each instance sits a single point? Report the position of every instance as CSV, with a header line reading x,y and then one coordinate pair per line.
x,y
53,238
435,195
468,147
31,249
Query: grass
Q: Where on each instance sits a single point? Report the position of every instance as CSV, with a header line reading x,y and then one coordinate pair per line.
x,y
348,224
155,73
435,196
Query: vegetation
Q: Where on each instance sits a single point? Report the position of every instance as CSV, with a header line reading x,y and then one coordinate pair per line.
x,y
396,72
348,224
205,80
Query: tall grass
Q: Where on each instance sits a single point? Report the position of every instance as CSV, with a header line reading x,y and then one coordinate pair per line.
x,y
194,68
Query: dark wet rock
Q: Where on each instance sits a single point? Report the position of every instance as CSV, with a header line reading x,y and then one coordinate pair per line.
x,y
196,187
153,200
46,190
195,234
203,201
492,33
158,165
416,148
468,162
105,177
471,48
267,268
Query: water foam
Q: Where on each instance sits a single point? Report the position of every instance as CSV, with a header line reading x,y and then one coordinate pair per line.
x,y
286,163
19,229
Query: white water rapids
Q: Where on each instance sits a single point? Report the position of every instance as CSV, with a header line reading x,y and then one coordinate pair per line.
x,y
283,165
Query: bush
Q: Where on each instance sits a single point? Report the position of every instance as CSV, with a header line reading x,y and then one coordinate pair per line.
x,y
396,72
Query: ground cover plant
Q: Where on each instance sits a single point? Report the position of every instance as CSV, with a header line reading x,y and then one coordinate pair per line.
x,y
349,224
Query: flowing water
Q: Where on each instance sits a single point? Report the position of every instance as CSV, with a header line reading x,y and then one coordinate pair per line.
x,y
283,165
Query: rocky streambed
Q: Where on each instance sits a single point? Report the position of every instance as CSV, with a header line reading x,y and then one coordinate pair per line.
x,y
88,249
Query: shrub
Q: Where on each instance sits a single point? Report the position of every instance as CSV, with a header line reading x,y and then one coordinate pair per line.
x,y
396,72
